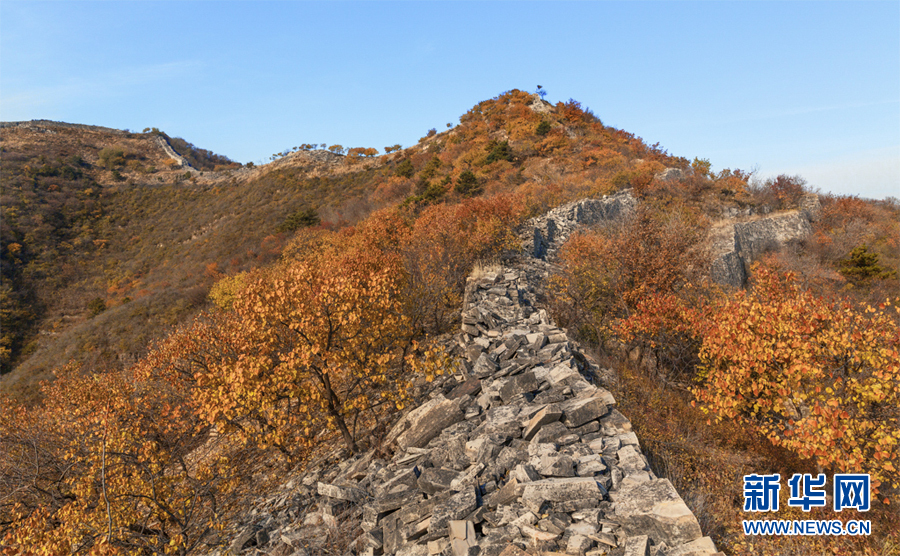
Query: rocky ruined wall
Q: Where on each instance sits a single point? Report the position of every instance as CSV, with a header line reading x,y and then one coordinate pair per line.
x,y
48,125
521,451
544,235
170,152
735,246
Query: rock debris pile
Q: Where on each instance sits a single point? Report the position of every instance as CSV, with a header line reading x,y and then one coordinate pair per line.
x,y
520,452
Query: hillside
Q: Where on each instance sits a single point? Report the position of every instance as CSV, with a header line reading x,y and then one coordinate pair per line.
x,y
102,254
113,240
212,329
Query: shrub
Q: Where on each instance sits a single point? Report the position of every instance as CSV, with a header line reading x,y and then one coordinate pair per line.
x,y
862,265
225,290
467,184
543,128
500,151
303,218
96,306
433,192
112,157
782,192
430,168
405,169
787,189
613,277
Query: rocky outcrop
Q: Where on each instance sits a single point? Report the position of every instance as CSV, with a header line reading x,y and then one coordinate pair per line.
x,y
521,451
734,246
540,105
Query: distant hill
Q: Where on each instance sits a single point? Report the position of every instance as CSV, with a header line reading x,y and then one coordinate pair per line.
x,y
107,240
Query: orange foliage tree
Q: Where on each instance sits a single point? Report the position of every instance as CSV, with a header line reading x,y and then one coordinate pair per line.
x,y
610,273
444,244
312,344
107,465
821,378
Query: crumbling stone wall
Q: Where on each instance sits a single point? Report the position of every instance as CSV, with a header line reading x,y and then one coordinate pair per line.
x,y
521,451
170,152
544,235
46,126
735,246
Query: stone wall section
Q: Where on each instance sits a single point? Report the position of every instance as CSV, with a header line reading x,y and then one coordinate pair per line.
x,y
520,451
46,126
734,246
170,152
542,236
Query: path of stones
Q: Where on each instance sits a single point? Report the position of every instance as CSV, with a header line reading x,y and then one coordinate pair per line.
x,y
521,452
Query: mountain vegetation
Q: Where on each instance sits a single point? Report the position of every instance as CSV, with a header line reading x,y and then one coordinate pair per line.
x,y
165,330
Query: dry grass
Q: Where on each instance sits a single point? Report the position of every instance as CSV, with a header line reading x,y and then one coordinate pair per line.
x,y
482,268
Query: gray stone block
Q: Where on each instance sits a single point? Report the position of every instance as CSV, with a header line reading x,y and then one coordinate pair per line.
x,y
552,490
654,508
549,414
579,411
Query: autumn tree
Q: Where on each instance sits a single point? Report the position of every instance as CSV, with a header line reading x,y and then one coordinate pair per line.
x,y
405,169
108,464
781,192
499,151
819,377
610,274
315,342
862,264
467,184
362,151
443,246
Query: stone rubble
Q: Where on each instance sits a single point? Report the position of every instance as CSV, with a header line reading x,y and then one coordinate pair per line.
x,y
522,451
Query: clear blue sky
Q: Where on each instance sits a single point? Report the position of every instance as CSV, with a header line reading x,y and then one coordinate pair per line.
x,y
806,87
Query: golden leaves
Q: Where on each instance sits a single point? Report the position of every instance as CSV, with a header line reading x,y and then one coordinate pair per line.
x,y
836,363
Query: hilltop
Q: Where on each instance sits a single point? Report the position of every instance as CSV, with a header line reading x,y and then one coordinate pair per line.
x,y
211,327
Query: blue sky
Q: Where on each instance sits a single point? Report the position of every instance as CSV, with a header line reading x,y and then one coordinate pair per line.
x,y
784,87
